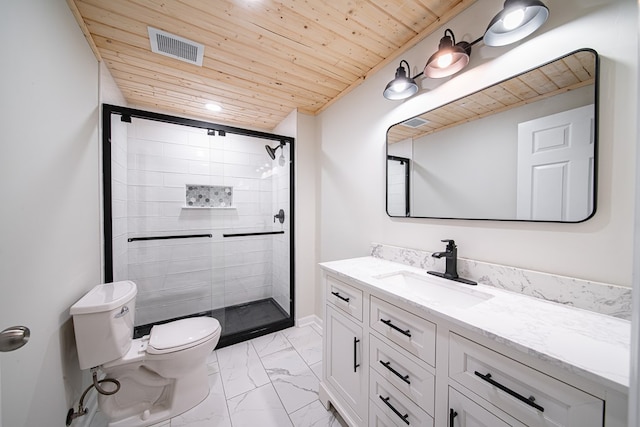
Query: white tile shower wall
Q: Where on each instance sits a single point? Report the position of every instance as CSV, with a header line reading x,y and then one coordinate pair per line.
x,y
119,182
185,276
599,297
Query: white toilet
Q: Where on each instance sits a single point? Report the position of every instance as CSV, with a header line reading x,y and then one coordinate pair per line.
x,y
162,374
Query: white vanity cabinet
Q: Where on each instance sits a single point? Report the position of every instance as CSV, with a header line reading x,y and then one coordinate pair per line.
x,y
525,393
404,330
464,412
387,362
345,353
401,364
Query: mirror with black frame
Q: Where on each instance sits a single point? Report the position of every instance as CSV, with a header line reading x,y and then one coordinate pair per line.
x,y
524,149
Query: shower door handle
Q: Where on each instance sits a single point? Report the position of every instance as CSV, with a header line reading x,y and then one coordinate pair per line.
x,y
13,338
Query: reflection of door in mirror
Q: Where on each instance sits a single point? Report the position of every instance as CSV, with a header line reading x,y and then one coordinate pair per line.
x,y
555,166
398,185
464,154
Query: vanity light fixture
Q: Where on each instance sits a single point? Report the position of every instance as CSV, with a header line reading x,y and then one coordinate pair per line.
x,y
450,58
517,20
403,85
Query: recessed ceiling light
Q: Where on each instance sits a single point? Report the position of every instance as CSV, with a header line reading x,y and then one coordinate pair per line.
x,y
213,107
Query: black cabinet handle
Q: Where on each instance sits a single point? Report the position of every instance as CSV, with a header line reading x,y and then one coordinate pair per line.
x,y
395,411
356,365
391,325
404,378
452,415
340,296
529,401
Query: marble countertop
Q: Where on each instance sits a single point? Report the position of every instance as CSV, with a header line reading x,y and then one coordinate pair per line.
x,y
588,344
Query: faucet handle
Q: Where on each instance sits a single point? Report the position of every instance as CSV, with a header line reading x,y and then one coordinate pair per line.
x,y
451,244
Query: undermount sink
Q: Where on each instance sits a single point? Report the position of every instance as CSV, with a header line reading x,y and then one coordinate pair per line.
x,y
429,289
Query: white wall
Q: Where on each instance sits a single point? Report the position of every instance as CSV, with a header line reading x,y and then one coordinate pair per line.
x,y
49,215
109,91
352,138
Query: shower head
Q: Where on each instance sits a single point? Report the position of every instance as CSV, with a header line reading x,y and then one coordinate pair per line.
x,y
272,151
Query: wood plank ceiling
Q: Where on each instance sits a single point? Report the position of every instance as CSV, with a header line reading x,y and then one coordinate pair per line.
x,y
262,58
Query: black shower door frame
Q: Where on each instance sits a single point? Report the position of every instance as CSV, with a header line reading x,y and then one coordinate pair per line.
x,y
212,128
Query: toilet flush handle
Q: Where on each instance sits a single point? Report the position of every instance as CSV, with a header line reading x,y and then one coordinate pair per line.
x,y
123,312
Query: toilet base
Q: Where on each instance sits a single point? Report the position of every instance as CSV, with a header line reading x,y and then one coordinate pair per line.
x,y
152,417
185,394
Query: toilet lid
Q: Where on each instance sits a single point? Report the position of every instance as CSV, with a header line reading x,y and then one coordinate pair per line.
x,y
181,334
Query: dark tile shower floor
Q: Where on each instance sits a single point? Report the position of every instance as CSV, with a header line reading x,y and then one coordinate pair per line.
x,y
238,318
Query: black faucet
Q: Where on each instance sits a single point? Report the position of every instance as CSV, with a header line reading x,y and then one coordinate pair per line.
x,y
451,269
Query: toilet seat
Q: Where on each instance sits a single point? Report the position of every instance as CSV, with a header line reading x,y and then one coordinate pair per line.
x,y
182,334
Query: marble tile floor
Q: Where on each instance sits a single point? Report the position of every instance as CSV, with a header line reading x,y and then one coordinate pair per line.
x,y
270,381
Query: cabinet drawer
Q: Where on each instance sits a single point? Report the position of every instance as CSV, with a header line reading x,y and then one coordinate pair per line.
x,y
345,297
404,373
466,413
530,396
377,418
398,408
413,333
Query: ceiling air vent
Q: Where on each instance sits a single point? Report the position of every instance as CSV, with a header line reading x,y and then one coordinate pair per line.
x,y
416,122
176,47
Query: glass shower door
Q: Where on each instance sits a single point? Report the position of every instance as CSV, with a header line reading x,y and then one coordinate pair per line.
x,y
200,221
256,235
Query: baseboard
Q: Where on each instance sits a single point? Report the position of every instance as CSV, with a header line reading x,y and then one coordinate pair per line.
x,y
311,320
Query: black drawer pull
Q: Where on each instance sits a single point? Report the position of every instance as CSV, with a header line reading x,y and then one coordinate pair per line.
x,y
529,401
404,378
356,365
340,296
452,415
395,411
391,325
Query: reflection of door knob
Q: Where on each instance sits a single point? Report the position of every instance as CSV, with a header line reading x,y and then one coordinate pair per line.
x,y
280,216
14,337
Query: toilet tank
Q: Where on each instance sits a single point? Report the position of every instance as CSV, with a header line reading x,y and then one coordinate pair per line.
x,y
103,323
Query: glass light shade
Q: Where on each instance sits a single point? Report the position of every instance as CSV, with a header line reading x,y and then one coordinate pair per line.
x,y
401,87
517,20
448,60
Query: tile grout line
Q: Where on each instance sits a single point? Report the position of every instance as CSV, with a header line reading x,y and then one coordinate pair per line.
x,y
308,366
271,381
268,376
224,390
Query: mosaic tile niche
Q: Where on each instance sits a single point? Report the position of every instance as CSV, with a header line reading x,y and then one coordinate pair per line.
x,y
208,196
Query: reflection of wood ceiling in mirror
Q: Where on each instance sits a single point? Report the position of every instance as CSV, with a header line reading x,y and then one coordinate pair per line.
x,y
560,76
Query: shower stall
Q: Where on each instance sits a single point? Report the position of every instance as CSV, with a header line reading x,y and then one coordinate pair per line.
x,y
200,217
